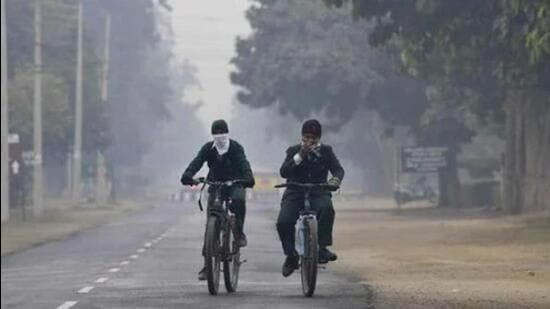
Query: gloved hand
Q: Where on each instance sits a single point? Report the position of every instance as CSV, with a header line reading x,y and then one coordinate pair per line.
x,y
249,184
187,181
334,181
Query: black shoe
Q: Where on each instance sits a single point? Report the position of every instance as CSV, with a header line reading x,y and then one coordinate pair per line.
x,y
202,274
325,256
290,265
242,240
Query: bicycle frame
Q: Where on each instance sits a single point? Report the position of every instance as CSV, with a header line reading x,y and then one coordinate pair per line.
x,y
220,238
306,214
307,222
220,209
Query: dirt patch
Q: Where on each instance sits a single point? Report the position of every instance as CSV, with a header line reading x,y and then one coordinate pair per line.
x,y
440,258
59,221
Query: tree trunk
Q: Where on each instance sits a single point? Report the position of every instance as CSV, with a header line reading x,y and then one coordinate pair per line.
x,y
375,155
508,200
519,155
536,182
449,183
526,164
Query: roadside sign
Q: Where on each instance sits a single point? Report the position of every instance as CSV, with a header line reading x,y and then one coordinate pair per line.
x,y
423,159
15,168
13,138
28,158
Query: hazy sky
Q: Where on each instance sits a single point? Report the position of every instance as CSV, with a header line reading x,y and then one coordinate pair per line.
x,y
205,34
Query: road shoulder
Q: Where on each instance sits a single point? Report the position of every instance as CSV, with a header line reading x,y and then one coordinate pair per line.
x,y
59,223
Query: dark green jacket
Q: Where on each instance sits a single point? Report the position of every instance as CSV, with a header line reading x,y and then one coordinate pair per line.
x,y
313,169
229,166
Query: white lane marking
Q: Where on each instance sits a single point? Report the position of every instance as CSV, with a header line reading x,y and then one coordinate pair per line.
x,y
140,250
101,280
134,256
67,305
147,245
124,263
114,270
85,290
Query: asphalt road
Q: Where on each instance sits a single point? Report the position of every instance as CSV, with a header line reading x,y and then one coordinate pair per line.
x,y
150,259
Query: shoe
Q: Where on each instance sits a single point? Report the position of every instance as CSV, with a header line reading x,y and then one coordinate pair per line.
x,y
290,265
325,256
202,274
242,240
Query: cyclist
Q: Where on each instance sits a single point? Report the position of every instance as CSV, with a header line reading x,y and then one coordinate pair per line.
x,y
226,160
308,162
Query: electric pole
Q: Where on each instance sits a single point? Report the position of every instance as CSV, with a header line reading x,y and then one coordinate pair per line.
x,y
101,185
37,113
77,149
5,207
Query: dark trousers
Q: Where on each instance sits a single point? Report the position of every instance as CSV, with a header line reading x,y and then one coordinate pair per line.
x,y
237,206
291,204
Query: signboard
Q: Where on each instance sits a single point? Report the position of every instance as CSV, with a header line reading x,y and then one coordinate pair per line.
x,y
423,159
28,157
13,138
15,153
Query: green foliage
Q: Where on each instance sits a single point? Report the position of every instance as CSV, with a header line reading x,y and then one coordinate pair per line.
x,y
59,58
56,111
145,83
468,44
307,59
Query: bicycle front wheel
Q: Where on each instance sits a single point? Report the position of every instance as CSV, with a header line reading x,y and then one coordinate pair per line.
x,y
212,254
310,257
232,260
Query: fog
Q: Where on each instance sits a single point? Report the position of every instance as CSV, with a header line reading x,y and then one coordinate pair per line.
x,y
438,112
174,67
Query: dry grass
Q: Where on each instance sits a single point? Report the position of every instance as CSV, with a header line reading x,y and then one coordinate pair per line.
x,y
59,220
431,257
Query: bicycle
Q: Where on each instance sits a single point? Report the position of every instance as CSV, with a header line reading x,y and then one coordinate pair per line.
x,y
307,244
221,245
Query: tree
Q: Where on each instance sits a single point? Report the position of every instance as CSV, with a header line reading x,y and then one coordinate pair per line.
x,y
496,54
305,59
143,90
57,111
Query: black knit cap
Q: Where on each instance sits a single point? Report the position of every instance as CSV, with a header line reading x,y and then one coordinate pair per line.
x,y
312,126
219,127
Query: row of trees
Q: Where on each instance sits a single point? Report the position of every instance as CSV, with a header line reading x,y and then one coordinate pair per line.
x,y
489,57
428,65
145,86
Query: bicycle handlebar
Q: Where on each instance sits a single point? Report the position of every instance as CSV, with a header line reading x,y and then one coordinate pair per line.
x,y
227,183
308,185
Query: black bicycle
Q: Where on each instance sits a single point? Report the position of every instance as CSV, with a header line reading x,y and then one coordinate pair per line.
x,y
221,243
306,240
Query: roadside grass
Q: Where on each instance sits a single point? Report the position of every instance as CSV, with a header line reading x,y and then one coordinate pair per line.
x,y
59,220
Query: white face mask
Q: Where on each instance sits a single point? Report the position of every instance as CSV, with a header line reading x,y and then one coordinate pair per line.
x,y
221,142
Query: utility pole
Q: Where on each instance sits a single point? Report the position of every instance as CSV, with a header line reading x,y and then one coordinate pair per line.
x,y
5,206
77,148
101,185
37,113
69,167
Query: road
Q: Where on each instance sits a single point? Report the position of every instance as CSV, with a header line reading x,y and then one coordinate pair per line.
x,y
150,259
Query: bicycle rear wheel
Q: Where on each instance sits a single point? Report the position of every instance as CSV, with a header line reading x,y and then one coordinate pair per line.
x,y
213,254
310,258
232,260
